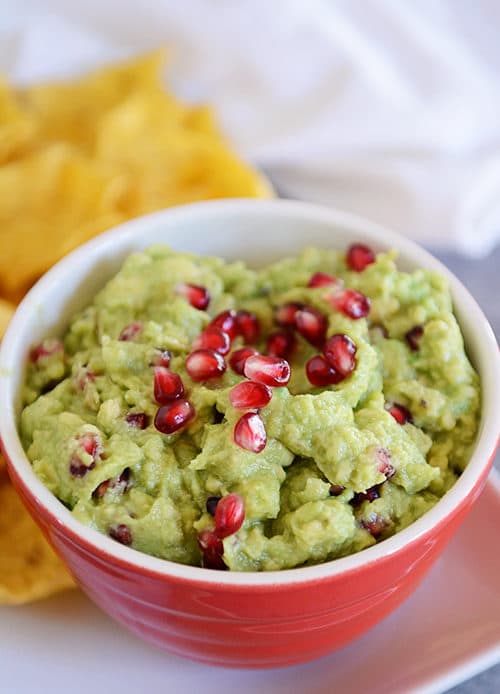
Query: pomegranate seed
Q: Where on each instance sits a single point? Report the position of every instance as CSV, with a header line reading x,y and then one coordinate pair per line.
x,y
123,482
92,445
79,469
336,489
227,322
322,279
285,315
249,395
213,338
121,533
384,463
413,337
271,371
359,257
139,420
320,373
204,364
211,504
101,490
281,344
375,525
130,331
84,378
198,296
212,549
162,358
249,433
248,326
229,515
352,303
340,352
45,349
400,413
167,385
174,416
312,325
238,358
369,495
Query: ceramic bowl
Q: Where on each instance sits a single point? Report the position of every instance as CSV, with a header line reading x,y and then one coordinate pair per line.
x,y
239,619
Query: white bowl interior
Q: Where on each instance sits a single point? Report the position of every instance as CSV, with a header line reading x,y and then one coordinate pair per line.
x,y
259,232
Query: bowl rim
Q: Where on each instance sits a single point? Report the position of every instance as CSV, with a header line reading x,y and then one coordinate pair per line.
x,y
99,544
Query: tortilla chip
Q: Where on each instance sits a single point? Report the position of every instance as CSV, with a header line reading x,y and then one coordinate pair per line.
x,y
29,569
6,311
79,157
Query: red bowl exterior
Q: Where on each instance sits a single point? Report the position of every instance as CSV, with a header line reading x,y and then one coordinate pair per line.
x,y
247,626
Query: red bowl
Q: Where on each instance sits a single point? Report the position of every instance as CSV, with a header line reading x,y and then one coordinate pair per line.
x,y
239,619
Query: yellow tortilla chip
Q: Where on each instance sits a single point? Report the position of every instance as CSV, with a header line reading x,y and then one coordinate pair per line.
x,y
17,125
79,157
29,569
6,311
50,202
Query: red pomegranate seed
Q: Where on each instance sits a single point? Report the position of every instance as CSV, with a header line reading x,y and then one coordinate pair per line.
x,y
369,495
167,385
384,463
400,413
352,303
375,525
227,322
122,482
92,445
312,325
322,279
45,349
359,257
281,344
229,515
211,504
174,416
198,296
162,358
130,331
285,315
271,371
84,379
204,364
213,338
249,433
413,337
336,489
249,395
248,326
340,352
238,358
139,420
320,373
212,549
121,533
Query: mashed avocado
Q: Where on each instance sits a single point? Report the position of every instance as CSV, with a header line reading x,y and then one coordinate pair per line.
x,y
352,449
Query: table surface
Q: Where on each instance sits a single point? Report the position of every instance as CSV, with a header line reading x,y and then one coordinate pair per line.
x,y
482,279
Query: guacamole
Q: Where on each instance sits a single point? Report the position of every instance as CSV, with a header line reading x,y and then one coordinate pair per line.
x,y
211,414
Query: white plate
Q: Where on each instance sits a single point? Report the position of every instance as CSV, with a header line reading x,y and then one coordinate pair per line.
x,y
447,631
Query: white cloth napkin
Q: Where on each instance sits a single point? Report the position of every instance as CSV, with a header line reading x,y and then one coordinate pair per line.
x,y
387,108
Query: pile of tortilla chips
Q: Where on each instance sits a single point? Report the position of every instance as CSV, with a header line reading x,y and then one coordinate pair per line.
x,y
75,159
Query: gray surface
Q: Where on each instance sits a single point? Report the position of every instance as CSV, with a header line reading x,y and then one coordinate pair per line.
x,y
482,279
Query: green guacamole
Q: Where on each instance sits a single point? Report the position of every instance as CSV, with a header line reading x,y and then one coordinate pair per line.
x,y
317,490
